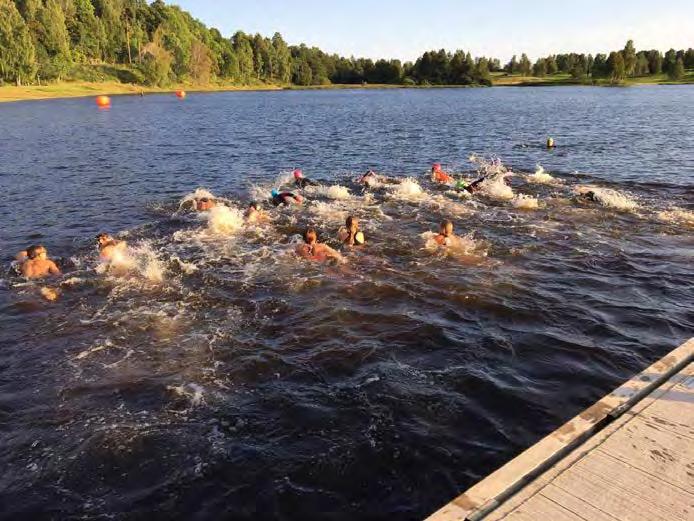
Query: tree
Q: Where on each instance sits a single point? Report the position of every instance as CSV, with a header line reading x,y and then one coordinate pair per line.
x,y
540,68
525,66
689,58
200,63
599,69
512,66
283,71
482,75
655,62
301,73
669,62
55,54
156,62
244,56
17,58
615,67
677,72
629,56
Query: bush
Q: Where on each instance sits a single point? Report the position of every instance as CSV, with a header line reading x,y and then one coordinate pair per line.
x,y
409,82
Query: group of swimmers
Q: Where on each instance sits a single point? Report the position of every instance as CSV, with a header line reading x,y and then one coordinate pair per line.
x,y
34,263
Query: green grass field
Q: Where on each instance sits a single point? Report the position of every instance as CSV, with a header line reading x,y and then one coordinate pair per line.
x,y
501,79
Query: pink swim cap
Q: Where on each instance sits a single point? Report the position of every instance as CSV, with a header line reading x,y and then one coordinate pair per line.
x,y
298,174
436,167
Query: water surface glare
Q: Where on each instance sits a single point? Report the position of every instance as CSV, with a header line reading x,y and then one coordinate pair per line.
x,y
218,377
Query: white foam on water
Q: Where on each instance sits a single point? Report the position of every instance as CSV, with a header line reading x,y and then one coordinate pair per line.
x,y
328,212
189,199
461,245
609,198
525,202
336,192
678,216
494,187
223,220
408,190
192,391
139,259
541,177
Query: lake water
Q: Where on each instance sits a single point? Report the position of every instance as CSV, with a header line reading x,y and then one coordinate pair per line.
x,y
221,377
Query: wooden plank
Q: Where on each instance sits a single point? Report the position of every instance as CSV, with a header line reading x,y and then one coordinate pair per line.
x,y
655,451
624,492
674,410
541,508
575,504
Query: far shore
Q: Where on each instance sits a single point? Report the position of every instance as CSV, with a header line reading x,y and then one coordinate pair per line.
x,y
10,93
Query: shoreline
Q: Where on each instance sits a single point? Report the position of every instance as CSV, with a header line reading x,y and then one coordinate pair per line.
x,y
65,90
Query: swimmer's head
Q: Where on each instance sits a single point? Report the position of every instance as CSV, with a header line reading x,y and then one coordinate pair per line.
x,y
254,206
359,238
352,224
103,238
436,167
37,251
274,192
446,228
298,174
310,236
299,198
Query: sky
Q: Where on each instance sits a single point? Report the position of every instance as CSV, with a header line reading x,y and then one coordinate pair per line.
x,y
494,28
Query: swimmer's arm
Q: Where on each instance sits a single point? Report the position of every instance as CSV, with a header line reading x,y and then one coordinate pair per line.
x,y
333,254
53,268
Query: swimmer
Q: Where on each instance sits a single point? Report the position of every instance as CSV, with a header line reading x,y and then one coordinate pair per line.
x,y
438,175
313,250
36,263
350,234
369,179
550,143
445,236
285,198
302,182
205,204
254,213
108,246
584,193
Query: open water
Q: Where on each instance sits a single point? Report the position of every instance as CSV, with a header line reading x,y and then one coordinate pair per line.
x,y
216,376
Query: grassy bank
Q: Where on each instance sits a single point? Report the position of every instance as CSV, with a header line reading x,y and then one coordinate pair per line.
x,y
114,87
82,89
501,79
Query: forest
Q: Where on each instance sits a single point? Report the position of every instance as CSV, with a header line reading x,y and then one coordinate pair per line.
x,y
156,44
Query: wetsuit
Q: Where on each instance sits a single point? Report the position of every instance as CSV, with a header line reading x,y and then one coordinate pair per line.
x,y
303,182
284,198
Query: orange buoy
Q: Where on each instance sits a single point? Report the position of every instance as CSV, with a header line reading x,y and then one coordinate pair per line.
x,y
103,102
180,94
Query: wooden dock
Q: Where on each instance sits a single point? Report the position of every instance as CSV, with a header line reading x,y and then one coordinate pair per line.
x,y
629,457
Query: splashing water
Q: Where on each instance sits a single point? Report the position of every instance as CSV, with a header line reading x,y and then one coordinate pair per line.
x,y
608,197
336,192
460,245
140,260
677,215
189,200
541,177
525,202
494,187
408,190
222,220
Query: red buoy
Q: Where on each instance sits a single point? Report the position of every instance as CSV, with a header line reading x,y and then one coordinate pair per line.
x,y
180,94
103,102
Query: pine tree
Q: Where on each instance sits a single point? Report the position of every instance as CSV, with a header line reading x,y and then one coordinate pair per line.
x,y
17,58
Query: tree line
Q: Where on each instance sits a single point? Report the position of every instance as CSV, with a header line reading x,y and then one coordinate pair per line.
x,y
159,44
616,67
